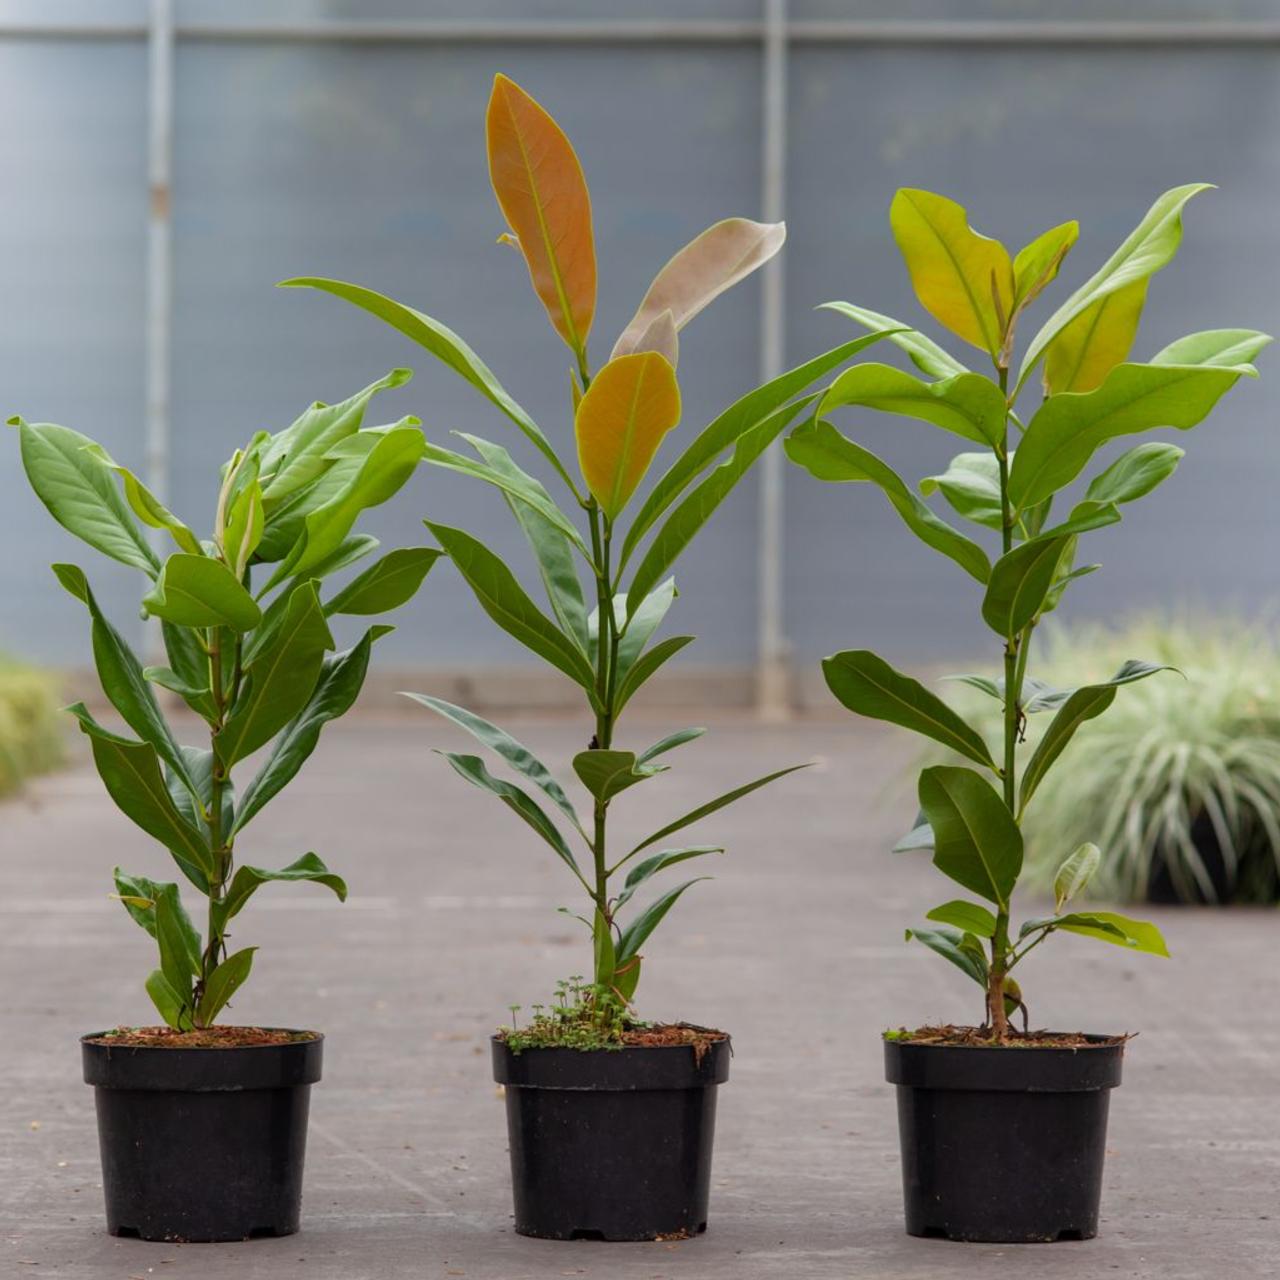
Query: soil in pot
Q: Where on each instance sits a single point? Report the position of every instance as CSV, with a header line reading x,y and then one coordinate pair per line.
x,y
613,1144
202,1134
1002,1143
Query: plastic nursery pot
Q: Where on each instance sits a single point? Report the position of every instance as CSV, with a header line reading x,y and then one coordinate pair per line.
x,y
202,1144
1003,1145
611,1144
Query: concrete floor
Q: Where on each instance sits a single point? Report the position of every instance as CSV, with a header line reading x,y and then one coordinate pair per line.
x,y
796,948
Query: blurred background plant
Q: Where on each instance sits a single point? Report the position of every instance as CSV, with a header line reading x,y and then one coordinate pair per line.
x,y
31,738
1180,782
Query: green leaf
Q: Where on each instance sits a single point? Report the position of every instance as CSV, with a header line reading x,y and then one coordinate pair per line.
x,y
712,806
505,601
349,551
1036,264
976,841
140,896
605,773
634,936
919,837
925,354
1135,472
189,675
519,802
1085,517
606,958
869,686
518,756
669,743
650,866
637,630
948,944
1019,583
168,1002
223,983
647,665
966,404
195,806
971,484
1088,348
122,677
198,591
1047,698
390,462
1225,348
299,455
739,418
552,547
386,584
447,347
627,979
280,679
246,523
80,494
130,771
1138,935
145,505
247,880
1150,246
694,510
179,960
1075,872
968,917
1077,706
827,455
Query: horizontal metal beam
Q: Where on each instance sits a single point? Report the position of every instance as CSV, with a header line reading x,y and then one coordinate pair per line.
x,y
850,32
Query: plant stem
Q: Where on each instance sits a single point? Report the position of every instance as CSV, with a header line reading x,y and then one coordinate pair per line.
x,y
606,664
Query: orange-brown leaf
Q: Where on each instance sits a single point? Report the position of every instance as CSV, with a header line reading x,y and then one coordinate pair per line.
x,y
543,195
630,405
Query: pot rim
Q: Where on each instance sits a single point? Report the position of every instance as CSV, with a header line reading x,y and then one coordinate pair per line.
x,y
94,1040
1005,1068
626,1068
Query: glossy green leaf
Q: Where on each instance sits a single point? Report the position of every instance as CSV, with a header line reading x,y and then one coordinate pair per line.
x,y
340,681
966,404
447,347
222,984
1224,348
169,1003
519,802
145,505
1137,935
646,666
386,584
518,756
919,837
948,943
705,810
695,509
605,955
976,841
140,896
81,494
725,430
1150,246
868,686
280,679
637,630
649,867
246,523
1074,874
189,665
247,880
197,591
1097,340
1035,266
1019,583
925,354
634,936
827,455
606,773
505,601
195,807
669,743
968,917
971,485
1135,472
179,961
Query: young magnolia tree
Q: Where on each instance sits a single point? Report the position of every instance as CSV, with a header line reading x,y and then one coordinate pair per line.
x,y
1024,460
255,665
601,638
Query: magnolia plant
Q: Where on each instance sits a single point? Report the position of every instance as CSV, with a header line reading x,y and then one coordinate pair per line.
x,y
621,413
1008,485
255,665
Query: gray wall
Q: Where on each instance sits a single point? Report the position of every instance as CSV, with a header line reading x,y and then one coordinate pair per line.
x,y
365,160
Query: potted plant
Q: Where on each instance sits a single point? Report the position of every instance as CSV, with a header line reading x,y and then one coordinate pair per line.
x,y
202,1126
1003,1130
610,1118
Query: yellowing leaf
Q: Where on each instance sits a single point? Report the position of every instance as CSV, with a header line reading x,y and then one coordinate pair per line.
x,y
1097,340
709,264
963,280
1037,264
543,195
630,405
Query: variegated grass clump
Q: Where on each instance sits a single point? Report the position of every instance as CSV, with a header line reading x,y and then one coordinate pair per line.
x,y
30,730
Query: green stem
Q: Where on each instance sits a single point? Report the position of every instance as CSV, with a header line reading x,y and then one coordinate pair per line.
x,y
606,664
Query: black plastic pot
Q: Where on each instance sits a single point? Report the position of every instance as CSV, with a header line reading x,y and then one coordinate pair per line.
x,y
1003,1145
202,1144
611,1144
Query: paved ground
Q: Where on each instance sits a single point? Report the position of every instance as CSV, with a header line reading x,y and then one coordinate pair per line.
x,y
796,947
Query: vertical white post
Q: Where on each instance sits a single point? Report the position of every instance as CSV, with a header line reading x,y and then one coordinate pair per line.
x,y
773,692
159,260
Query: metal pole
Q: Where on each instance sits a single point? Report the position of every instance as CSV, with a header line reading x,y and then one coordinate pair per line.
x,y
773,693
159,258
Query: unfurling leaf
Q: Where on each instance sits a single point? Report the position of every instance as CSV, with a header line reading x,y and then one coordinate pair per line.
x,y
1075,872
543,195
708,265
964,280
630,405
